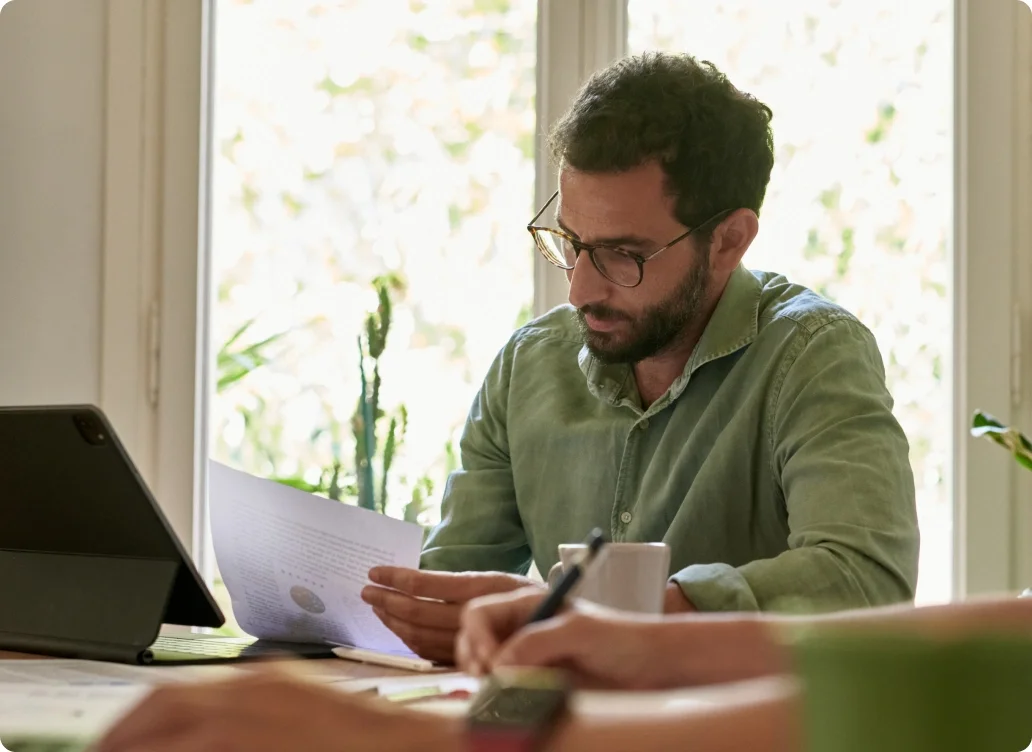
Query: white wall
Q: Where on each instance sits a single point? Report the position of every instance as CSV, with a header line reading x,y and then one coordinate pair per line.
x,y
51,199
100,153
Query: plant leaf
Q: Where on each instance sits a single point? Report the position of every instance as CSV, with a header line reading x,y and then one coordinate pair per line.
x,y
984,425
300,483
389,447
365,440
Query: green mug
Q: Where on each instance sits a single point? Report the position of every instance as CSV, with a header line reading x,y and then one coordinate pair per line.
x,y
895,693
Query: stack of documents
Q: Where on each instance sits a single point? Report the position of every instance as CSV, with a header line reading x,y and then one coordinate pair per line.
x,y
295,564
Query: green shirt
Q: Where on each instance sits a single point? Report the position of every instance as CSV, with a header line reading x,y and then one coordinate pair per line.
x,y
773,466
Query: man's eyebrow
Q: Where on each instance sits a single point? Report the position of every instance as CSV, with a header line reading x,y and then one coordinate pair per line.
x,y
616,241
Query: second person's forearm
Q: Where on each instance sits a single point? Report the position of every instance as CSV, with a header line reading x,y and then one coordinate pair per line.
x,y
769,721
714,648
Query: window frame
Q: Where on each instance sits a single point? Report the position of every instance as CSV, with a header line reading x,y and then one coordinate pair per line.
x,y
157,292
1021,334
574,39
991,242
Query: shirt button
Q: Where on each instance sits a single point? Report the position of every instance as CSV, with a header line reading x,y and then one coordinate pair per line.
x,y
644,424
625,518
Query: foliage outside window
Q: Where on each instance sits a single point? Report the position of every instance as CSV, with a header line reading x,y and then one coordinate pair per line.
x,y
860,202
355,141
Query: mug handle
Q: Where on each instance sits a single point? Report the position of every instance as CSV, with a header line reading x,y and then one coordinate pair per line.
x,y
554,574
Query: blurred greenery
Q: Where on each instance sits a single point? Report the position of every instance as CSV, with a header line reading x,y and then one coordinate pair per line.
x,y
339,480
233,362
403,137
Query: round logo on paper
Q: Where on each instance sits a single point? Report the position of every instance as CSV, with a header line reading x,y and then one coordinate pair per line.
x,y
307,600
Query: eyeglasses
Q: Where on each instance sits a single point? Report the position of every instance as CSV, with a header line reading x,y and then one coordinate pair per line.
x,y
619,266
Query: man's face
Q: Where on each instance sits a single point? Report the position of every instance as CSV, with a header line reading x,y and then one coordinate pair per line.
x,y
631,210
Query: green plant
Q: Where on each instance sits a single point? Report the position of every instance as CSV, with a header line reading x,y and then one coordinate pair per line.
x,y
369,418
985,425
234,361
377,434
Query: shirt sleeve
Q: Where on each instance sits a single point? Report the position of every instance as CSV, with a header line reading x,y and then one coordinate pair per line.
x,y
480,528
841,461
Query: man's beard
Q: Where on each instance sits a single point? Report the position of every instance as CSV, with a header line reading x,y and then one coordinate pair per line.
x,y
657,329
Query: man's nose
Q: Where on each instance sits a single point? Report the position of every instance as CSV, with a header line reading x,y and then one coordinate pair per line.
x,y
587,285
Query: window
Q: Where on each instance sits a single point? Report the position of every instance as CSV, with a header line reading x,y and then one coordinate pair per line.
x,y
354,142
860,201
980,366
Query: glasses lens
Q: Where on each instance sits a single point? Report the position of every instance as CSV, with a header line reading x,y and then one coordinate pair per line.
x,y
617,266
556,248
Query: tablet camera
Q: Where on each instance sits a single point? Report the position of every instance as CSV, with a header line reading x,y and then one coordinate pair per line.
x,y
90,429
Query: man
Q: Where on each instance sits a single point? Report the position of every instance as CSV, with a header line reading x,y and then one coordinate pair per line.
x,y
273,712
740,418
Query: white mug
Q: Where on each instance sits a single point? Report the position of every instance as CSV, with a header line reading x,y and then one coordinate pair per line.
x,y
626,576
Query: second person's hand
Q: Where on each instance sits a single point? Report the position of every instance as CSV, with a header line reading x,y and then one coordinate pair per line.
x,y
600,647
611,649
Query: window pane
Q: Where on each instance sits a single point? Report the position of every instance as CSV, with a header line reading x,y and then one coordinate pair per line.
x,y
357,139
860,201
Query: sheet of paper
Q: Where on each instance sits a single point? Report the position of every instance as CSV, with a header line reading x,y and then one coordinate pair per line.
x,y
387,685
76,673
602,704
294,563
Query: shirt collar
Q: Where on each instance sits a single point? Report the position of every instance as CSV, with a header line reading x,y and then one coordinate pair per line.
x,y
733,325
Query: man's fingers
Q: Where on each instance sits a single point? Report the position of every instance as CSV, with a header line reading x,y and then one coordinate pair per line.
x,y
455,587
427,627
426,642
411,581
423,613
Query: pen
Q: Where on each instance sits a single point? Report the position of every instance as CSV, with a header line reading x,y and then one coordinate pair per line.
x,y
390,660
550,606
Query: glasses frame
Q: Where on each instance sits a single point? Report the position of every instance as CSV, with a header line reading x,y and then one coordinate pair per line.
x,y
580,246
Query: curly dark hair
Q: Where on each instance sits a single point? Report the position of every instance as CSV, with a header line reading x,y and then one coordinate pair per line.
x,y
713,141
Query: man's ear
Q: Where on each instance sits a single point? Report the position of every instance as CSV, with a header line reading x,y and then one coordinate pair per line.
x,y
732,238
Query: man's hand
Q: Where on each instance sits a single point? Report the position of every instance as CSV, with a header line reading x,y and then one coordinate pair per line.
x,y
269,713
675,601
424,608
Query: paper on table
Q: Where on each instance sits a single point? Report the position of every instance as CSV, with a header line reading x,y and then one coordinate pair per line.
x,y
65,712
295,563
77,673
386,685
69,673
